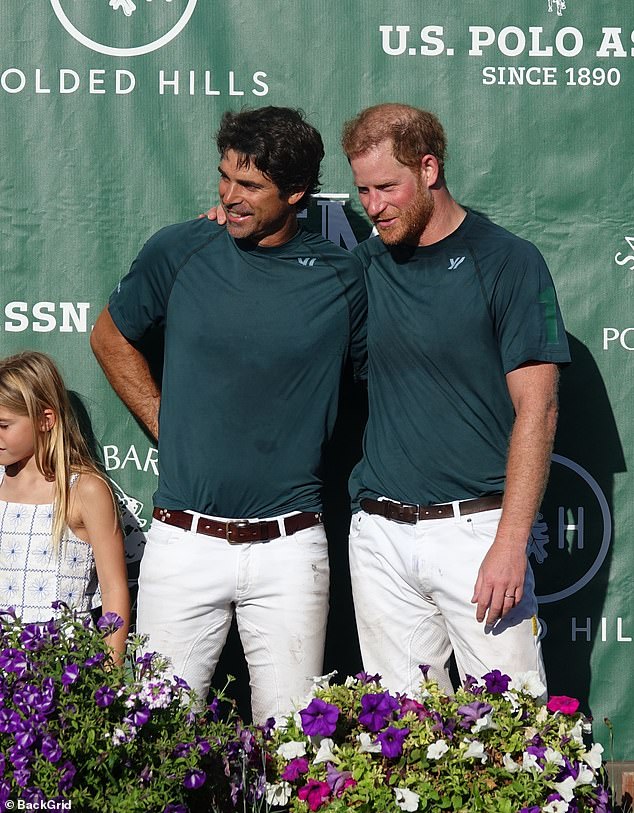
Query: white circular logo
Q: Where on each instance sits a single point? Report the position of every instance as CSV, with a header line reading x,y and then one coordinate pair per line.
x,y
572,542
167,23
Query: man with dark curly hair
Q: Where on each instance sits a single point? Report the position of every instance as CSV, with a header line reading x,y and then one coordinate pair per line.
x,y
260,318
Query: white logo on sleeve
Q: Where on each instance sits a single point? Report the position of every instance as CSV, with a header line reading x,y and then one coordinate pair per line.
x,y
307,261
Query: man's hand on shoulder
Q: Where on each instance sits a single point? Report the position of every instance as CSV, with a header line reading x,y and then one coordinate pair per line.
x,y
216,213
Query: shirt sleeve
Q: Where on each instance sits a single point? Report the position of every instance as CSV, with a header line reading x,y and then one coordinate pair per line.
x,y
139,302
525,310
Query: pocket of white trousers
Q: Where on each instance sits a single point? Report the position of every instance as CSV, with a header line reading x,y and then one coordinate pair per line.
x,y
355,524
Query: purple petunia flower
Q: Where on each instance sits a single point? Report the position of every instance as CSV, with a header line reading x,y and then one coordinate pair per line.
x,y
8,721
109,623
172,808
319,718
472,712
31,637
392,740
34,797
94,660
532,809
24,734
138,717
364,677
338,781
70,674
314,793
411,706
194,779
424,668
51,749
67,776
182,749
214,709
19,757
538,751
22,776
15,661
444,727
104,696
377,708
295,768
496,682
470,684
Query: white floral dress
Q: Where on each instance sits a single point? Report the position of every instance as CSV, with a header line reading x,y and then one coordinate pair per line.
x,y
32,573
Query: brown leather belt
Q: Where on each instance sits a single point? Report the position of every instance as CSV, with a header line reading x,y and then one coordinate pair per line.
x,y
412,513
237,531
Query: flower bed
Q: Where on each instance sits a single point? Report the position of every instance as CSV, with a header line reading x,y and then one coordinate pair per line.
x,y
491,747
74,728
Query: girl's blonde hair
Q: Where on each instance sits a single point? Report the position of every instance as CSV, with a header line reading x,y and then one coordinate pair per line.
x,y
30,383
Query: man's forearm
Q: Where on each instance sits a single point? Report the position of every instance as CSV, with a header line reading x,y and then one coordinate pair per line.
x,y
528,465
127,371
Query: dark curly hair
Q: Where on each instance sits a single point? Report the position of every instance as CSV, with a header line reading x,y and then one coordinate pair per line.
x,y
280,143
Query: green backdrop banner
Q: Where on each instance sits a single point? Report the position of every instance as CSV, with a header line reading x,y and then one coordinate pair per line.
x,y
108,111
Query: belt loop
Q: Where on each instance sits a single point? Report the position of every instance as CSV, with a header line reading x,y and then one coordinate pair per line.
x,y
195,518
281,525
455,504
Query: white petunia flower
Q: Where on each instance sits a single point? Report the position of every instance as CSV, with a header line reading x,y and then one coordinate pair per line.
x,y
510,764
566,789
585,776
278,794
325,753
529,762
475,750
367,744
593,756
484,723
406,799
578,730
322,681
437,749
556,806
550,755
542,714
291,750
349,681
529,683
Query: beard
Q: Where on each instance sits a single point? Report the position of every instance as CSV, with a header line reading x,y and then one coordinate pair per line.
x,y
411,221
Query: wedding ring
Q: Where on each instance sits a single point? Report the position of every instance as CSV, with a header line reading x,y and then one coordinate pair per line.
x,y
506,595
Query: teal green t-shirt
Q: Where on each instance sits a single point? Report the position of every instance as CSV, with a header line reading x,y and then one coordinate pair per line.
x,y
256,341
446,323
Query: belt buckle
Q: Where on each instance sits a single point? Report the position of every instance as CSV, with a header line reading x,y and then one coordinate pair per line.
x,y
237,525
396,511
254,530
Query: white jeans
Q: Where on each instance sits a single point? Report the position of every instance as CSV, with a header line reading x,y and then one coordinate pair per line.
x,y
190,584
412,587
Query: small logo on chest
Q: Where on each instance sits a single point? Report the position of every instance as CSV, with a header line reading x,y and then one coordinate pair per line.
x,y
454,262
307,261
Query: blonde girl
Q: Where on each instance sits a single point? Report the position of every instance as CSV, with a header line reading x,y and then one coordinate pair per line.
x,y
59,529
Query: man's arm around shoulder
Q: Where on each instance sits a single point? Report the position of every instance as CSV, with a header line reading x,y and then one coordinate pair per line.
x,y
127,371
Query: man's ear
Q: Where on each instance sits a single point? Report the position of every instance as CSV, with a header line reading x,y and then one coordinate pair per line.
x,y
48,420
296,197
430,171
